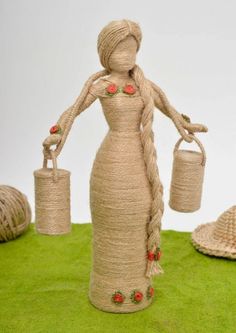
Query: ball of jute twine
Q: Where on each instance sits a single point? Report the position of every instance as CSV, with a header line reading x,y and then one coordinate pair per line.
x,y
52,199
187,178
15,213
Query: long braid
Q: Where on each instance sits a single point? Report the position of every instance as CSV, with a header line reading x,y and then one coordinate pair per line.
x,y
150,157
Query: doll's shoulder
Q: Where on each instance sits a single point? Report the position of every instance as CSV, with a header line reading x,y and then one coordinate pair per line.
x,y
98,88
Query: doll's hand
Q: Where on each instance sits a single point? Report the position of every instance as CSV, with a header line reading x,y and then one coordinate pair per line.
x,y
52,139
49,141
191,128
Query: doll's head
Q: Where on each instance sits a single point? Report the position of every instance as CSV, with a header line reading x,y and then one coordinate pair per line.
x,y
117,45
123,57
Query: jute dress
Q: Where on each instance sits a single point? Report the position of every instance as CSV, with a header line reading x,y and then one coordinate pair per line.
x,y
120,204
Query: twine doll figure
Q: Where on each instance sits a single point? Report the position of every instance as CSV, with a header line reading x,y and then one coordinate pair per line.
x,y
125,189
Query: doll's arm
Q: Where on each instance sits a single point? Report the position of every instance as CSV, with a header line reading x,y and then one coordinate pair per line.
x,y
181,121
62,121
67,114
87,96
65,122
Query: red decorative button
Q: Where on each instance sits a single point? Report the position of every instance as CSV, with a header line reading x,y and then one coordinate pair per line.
x,y
129,89
112,89
136,296
150,292
158,255
55,129
151,255
118,297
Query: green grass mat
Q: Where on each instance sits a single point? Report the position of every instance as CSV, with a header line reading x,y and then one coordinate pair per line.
x,y
44,286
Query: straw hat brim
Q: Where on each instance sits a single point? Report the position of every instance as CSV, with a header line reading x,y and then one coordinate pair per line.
x,y
203,240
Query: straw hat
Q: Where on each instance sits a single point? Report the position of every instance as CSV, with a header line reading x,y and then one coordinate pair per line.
x,y
217,238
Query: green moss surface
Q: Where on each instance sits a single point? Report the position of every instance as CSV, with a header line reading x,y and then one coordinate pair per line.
x,y
44,284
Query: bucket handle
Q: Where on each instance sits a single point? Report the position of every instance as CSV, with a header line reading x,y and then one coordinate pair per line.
x,y
54,163
198,143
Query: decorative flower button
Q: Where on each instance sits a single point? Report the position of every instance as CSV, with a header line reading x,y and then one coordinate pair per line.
x,y
151,255
129,89
112,89
154,256
150,292
158,255
55,129
136,296
118,297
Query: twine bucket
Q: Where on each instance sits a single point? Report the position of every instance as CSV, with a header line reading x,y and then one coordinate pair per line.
x,y
52,199
187,178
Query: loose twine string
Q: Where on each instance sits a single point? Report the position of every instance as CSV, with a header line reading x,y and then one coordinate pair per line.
x,y
108,39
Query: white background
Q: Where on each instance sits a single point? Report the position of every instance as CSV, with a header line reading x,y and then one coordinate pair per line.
x,y
48,50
